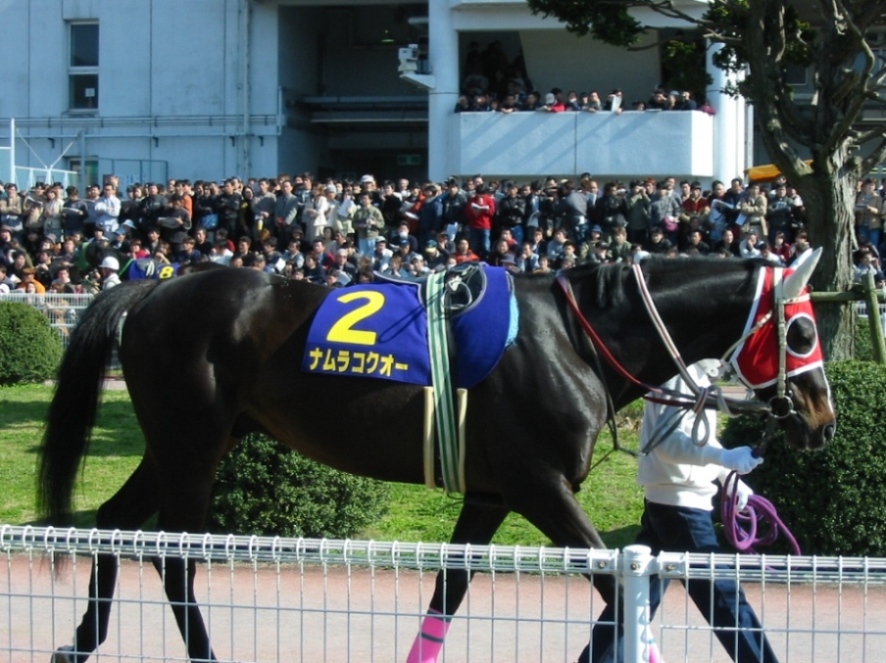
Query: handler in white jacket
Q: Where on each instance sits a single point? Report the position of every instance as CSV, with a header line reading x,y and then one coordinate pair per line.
x,y
678,475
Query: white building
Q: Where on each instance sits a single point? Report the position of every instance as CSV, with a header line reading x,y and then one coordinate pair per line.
x,y
212,88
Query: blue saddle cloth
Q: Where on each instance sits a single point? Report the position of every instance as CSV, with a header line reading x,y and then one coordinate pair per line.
x,y
381,331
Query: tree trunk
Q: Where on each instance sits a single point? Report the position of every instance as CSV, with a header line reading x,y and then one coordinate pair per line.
x,y
830,202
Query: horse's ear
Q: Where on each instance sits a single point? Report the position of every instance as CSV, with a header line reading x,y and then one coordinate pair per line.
x,y
795,283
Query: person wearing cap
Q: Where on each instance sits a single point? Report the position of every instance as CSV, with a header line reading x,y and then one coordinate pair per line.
x,y
435,258
552,103
381,255
108,268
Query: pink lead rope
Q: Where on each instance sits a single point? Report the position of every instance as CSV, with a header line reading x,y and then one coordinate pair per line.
x,y
742,526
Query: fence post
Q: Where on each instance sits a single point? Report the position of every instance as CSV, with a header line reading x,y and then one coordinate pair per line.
x,y
637,565
878,343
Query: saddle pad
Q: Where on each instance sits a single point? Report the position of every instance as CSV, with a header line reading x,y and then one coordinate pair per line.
x,y
381,331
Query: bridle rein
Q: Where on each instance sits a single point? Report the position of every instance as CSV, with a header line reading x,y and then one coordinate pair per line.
x,y
788,289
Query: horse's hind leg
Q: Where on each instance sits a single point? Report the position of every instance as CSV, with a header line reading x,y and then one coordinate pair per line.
x,y
477,523
129,508
186,499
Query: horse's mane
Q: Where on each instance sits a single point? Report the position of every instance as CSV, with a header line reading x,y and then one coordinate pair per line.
x,y
610,279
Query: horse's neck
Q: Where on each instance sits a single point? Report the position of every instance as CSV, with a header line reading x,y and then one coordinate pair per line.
x,y
703,316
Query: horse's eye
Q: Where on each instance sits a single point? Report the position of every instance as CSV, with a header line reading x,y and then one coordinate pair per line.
x,y
802,337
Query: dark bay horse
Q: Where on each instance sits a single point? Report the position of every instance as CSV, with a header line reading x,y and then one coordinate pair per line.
x,y
212,356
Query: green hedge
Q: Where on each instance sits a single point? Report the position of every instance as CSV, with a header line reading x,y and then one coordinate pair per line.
x,y
264,488
30,350
834,500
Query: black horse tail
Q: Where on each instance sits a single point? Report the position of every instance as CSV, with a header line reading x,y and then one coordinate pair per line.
x,y
73,409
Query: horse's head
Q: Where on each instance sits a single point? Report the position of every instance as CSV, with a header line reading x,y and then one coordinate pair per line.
x,y
780,357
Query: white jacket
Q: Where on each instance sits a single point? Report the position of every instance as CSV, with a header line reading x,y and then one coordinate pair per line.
x,y
677,471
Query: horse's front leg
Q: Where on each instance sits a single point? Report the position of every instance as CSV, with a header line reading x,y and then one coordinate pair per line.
x,y
476,524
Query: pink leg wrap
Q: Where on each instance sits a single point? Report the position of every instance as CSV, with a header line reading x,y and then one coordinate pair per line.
x,y
654,654
429,641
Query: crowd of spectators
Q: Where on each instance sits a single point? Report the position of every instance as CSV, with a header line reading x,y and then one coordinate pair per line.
x,y
492,82
342,232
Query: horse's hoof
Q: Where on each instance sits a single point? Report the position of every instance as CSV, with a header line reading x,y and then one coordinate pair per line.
x,y
64,655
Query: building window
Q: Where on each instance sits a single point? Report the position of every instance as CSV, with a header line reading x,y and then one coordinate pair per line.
x,y
83,67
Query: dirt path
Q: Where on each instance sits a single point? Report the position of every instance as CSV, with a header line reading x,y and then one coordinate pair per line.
x,y
336,614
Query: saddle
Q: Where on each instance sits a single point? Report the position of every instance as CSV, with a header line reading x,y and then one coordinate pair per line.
x,y
464,285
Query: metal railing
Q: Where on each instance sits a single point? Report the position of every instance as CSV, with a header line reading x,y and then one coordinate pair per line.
x,y
278,599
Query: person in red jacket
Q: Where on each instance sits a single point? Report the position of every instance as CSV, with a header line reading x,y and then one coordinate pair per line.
x,y
480,211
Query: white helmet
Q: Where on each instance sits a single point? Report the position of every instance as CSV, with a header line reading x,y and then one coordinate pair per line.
x,y
110,262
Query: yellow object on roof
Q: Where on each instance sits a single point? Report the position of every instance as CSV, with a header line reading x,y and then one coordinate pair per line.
x,y
765,173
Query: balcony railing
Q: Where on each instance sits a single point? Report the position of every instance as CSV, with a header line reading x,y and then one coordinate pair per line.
x,y
630,144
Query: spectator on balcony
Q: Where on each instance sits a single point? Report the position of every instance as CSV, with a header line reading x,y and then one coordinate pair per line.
x,y
482,103
614,101
686,102
572,102
658,100
552,104
463,104
508,104
593,103
673,100
532,102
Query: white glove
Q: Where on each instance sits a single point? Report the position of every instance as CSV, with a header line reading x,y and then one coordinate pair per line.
x,y
740,459
743,490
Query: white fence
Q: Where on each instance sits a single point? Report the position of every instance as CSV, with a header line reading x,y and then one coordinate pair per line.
x,y
62,310
322,600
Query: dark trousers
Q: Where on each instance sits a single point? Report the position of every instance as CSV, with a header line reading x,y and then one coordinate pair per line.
x,y
722,602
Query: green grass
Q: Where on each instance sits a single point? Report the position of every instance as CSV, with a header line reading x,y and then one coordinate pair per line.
x,y
610,495
115,451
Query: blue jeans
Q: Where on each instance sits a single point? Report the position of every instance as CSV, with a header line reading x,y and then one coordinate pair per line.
x,y
481,241
725,608
870,234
